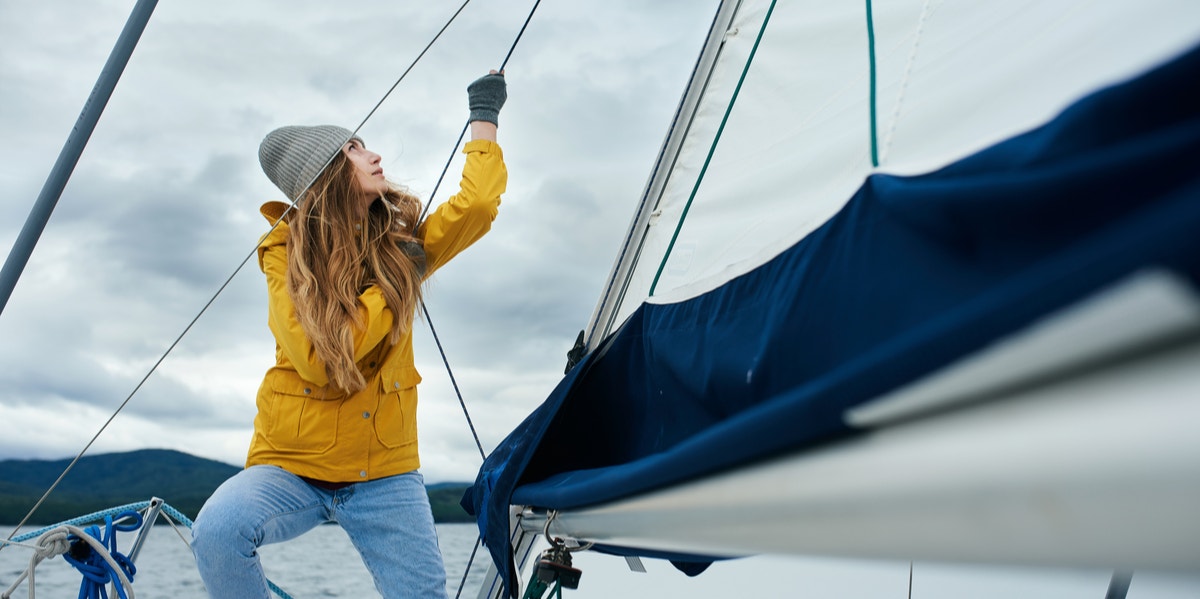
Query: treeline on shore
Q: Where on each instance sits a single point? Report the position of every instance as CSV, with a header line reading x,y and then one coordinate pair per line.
x,y
105,481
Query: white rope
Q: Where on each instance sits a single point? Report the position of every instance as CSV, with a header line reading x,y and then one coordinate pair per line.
x,y
4,542
56,542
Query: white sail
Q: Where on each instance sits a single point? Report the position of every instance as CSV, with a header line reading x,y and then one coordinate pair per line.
x,y
951,79
791,107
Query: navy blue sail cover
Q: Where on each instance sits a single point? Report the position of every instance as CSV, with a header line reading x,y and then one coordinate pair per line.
x,y
912,274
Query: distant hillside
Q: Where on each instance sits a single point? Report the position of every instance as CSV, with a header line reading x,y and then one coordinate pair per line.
x,y
444,498
102,481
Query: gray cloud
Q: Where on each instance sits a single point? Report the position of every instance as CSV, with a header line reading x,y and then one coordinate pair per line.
x,y
163,205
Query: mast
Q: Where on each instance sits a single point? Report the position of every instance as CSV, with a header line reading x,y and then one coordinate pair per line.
x,y
69,155
605,315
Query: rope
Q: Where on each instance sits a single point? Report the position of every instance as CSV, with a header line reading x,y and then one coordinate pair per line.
x,y
93,553
537,588
449,371
102,565
467,125
211,300
471,560
871,108
428,204
54,540
425,310
87,519
401,77
42,551
173,513
713,148
99,567
176,514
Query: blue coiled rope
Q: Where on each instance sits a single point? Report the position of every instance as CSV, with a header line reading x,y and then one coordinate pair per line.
x,y
97,571
123,511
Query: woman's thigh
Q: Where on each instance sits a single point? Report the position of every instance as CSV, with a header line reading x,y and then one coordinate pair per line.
x,y
390,523
262,505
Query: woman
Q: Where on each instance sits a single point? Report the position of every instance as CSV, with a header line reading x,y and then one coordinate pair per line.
x,y
335,438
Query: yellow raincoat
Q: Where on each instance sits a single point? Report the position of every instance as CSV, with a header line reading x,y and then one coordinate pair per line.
x,y
313,430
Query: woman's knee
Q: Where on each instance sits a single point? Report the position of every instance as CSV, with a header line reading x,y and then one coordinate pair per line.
x,y
219,528
260,505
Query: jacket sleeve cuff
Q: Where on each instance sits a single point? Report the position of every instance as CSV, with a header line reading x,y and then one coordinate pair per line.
x,y
486,146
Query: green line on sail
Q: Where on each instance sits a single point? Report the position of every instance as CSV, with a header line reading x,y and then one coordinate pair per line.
x,y
871,108
713,148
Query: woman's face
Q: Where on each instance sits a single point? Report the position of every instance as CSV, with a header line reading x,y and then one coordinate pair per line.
x,y
367,171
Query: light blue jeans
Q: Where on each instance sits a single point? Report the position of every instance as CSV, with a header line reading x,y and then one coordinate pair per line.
x,y
388,521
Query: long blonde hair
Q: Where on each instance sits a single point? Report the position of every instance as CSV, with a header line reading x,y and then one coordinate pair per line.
x,y
334,254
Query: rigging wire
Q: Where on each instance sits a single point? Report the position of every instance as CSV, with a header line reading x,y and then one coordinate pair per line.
x,y
463,133
713,148
437,341
471,560
245,260
221,289
242,265
404,74
425,311
429,321
871,107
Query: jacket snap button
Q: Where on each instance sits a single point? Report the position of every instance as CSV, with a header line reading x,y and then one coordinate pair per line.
x,y
307,390
366,414
362,473
397,384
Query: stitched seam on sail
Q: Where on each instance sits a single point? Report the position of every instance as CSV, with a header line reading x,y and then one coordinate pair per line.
x,y
713,148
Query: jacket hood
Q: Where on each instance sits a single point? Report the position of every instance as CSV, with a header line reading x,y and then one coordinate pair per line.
x,y
273,211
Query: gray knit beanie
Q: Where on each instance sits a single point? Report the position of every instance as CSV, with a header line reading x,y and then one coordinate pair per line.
x,y
293,156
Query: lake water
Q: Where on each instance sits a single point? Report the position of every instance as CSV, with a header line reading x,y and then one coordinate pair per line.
x,y
321,563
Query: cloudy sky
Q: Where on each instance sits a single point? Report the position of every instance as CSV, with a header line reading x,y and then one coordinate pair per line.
x,y
163,205
163,208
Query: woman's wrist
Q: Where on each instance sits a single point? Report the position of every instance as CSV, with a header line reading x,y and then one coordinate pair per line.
x,y
483,130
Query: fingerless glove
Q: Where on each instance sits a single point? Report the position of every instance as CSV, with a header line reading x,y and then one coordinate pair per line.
x,y
486,96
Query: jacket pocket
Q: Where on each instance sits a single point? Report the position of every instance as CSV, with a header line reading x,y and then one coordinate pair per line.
x,y
396,414
302,419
